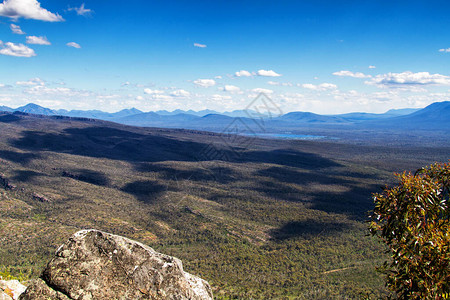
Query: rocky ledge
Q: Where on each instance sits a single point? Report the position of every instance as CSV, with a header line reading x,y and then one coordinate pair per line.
x,y
98,265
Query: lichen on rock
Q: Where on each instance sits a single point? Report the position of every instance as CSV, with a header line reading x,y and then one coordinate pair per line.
x,y
98,265
11,289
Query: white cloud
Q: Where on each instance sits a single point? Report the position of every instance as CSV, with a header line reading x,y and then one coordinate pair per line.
x,y
19,50
243,73
31,82
199,45
279,83
231,89
218,77
180,93
162,97
139,98
81,11
268,73
74,45
38,40
292,98
43,90
153,92
261,90
104,97
444,50
320,87
372,67
217,97
351,74
409,78
16,29
28,9
205,82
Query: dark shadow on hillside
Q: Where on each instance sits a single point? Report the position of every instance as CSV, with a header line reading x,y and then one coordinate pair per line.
x,y
145,191
307,229
104,142
25,175
298,177
279,190
9,118
219,174
125,145
18,157
354,203
292,158
88,176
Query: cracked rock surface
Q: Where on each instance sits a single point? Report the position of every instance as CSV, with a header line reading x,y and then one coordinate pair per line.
x,y
98,265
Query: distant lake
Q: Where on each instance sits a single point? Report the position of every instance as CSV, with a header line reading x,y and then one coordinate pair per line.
x,y
286,136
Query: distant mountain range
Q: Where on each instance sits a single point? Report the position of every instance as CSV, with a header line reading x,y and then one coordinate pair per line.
x,y
433,117
32,108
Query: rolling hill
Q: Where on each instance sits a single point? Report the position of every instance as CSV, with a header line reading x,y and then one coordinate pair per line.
x,y
435,116
256,218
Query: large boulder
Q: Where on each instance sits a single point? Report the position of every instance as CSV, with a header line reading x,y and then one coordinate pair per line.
x,y
98,265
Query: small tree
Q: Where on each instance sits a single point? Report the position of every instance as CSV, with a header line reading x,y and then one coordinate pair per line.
x,y
413,220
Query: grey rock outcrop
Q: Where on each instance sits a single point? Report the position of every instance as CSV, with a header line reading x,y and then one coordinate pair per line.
x,y
98,265
4,182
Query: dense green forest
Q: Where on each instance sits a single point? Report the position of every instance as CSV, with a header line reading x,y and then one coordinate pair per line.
x,y
256,218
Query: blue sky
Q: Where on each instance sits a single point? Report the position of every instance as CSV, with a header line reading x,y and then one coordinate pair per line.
x,y
320,56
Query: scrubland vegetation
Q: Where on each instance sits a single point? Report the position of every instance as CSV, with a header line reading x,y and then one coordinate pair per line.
x,y
256,218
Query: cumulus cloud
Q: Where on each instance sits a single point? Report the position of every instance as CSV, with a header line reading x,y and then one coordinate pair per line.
x,y
320,87
43,90
162,97
16,29
180,93
81,11
372,67
217,97
292,98
279,83
199,45
74,45
351,74
444,50
205,82
37,92
261,90
38,40
409,78
153,92
268,73
31,82
19,50
231,89
243,73
28,9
